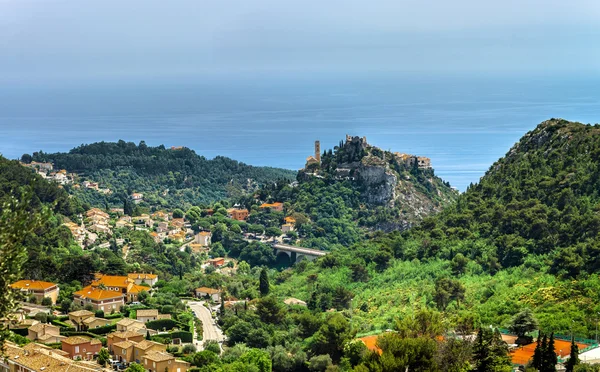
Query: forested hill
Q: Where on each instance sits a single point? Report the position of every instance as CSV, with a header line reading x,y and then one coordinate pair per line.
x,y
51,248
174,177
359,185
542,198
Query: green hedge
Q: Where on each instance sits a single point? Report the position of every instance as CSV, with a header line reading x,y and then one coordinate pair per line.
x,y
168,324
20,331
64,327
103,330
113,316
183,335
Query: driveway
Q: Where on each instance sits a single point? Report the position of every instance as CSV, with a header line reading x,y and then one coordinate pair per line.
x,y
210,330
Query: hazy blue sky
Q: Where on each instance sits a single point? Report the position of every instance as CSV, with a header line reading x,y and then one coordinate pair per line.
x,y
48,39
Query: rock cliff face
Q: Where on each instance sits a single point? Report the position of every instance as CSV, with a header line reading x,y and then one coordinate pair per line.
x,y
385,180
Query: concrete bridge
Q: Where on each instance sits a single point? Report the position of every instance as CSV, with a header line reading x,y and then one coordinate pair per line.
x,y
296,253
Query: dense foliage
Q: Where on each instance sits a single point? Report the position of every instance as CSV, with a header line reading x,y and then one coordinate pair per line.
x,y
166,177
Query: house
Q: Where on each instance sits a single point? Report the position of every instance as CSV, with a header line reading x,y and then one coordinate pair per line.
x,y
141,278
214,294
133,290
122,223
238,214
287,227
38,288
80,347
137,197
96,214
117,337
178,237
45,333
177,223
100,229
143,219
162,227
93,322
217,262
203,238
160,215
290,220
273,206
77,318
147,315
128,324
163,316
35,357
129,351
100,299
198,248
159,361
118,211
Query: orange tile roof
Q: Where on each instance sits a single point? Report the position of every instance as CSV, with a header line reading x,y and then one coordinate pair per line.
x,y
271,205
207,290
290,220
111,281
34,285
78,340
141,276
134,288
97,294
204,233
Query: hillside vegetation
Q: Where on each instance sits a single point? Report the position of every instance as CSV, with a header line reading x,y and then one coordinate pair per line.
x,y
166,177
526,236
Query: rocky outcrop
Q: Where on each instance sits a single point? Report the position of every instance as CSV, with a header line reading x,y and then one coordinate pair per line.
x,y
379,184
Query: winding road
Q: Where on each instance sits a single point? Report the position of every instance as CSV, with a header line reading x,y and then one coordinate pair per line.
x,y
210,330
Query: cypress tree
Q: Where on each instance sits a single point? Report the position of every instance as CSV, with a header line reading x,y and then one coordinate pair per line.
x,y
538,353
148,335
544,354
573,357
551,358
481,352
264,282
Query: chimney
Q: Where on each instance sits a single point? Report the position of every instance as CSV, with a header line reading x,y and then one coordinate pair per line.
x,y
318,151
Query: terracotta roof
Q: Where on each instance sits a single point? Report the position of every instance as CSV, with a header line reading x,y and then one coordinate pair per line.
x,y
39,356
204,233
158,356
147,312
93,319
34,285
96,293
77,340
146,344
81,313
142,276
124,344
271,205
208,290
134,288
126,321
124,335
41,326
290,219
112,281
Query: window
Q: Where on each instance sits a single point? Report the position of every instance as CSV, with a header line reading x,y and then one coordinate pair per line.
x,y
76,349
153,364
124,351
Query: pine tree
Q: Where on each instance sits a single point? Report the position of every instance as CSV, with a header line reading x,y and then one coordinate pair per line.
x,y
538,353
573,357
148,335
264,282
551,358
481,352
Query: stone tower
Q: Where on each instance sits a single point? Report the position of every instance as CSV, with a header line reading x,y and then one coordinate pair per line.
x,y
318,151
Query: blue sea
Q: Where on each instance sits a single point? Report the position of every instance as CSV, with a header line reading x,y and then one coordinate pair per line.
x,y
463,124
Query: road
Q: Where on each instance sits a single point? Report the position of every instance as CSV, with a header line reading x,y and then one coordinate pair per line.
x,y
210,331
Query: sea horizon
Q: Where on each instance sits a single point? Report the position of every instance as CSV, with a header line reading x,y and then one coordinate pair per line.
x,y
463,124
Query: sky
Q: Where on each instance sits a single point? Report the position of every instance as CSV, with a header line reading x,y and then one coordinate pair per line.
x,y
73,39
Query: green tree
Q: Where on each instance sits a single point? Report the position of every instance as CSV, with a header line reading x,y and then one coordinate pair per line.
x,y
16,222
270,310
134,367
332,336
273,232
46,301
550,358
490,353
103,356
204,358
264,282
258,358
177,213
573,357
522,323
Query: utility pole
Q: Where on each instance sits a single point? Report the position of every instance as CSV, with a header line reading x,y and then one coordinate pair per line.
x,y
597,327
